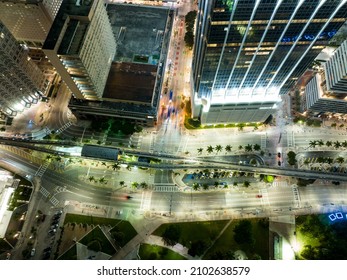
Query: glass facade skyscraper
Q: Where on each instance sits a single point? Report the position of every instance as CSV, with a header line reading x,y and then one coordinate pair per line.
x,y
248,52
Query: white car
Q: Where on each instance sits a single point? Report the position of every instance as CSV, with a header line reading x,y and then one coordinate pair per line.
x,y
33,251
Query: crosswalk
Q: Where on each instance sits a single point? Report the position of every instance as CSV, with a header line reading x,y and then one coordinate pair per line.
x,y
263,141
54,201
296,196
65,126
165,188
47,194
279,184
290,139
42,169
153,139
146,201
44,192
265,197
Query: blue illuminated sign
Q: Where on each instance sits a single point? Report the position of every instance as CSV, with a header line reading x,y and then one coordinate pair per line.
x,y
310,37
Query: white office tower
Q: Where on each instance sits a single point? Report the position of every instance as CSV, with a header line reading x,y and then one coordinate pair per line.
x,y
327,90
21,81
27,20
81,47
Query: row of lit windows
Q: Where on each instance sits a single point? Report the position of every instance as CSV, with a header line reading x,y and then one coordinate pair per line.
x,y
245,22
256,44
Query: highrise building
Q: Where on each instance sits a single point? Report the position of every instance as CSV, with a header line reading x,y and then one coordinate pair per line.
x,y
247,53
21,81
81,47
27,20
52,7
326,92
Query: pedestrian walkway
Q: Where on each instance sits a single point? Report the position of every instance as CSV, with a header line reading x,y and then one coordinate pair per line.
x,y
54,201
42,169
263,139
265,197
296,196
44,192
146,201
65,126
161,187
178,248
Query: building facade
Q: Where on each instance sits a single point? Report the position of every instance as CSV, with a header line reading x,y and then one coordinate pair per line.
x,y
247,53
326,92
52,7
81,47
21,81
28,21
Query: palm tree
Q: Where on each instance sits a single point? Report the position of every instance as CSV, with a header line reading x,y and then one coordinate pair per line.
x,y
115,166
330,160
313,143
256,147
307,161
228,148
329,143
200,151
135,185
209,149
121,183
340,160
129,167
48,157
320,143
218,148
235,184
248,148
196,186
240,147
102,180
91,178
246,184
205,186
144,185
344,144
337,144
216,184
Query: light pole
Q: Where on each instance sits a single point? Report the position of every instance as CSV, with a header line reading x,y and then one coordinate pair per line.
x,y
83,133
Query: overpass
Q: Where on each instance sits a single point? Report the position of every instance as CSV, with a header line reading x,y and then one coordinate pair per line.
x,y
196,163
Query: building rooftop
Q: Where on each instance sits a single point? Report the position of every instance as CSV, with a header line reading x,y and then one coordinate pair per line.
x,y
131,82
139,33
71,8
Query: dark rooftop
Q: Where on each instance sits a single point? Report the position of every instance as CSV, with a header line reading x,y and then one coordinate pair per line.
x,y
131,82
68,7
